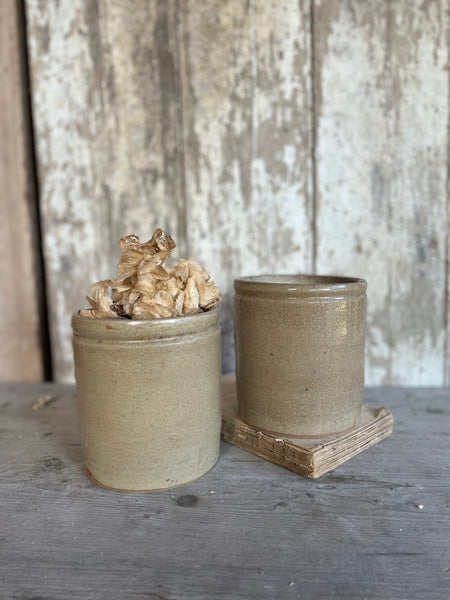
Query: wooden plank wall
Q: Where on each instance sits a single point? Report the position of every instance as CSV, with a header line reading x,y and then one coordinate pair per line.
x,y
382,102
267,137
247,122
20,323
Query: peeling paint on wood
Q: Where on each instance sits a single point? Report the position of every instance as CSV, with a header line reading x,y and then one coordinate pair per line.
x,y
447,258
447,275
106,116
194,118
202,118
381,108
247,138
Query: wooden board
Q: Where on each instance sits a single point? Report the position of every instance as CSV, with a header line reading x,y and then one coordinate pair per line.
x,y
247,530
20,337
381,105
311,457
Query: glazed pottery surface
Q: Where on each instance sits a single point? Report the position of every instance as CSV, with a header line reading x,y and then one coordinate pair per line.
x,y
148,399
300,352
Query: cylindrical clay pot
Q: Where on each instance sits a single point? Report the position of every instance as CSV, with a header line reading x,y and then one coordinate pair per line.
x,y
148,399
300,353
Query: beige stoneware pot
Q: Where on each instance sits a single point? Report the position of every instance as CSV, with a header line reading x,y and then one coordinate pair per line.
x,y
300,353
148,399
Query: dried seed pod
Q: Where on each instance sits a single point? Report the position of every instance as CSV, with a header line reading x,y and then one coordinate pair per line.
x,y
129,262
101,303
146,289
191,298
193,274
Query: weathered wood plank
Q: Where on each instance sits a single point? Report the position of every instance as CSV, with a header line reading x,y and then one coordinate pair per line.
x,y
264,533
191,116
107,120
20,336
247,125
447,342
381,91
197,117
447,269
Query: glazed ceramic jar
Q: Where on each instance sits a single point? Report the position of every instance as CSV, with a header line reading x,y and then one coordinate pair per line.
x,y
148,399
300,353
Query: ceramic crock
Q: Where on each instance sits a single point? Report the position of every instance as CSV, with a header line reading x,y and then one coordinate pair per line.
x,y
300,353
148,399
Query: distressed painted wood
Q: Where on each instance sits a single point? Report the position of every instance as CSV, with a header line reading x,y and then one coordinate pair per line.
x,y
195,117
447,339
20,338
381,106
202,118
247,127
310,457
447,267
246,530
107,119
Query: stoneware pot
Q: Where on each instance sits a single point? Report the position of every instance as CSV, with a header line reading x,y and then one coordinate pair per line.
x,y
149,399
300,353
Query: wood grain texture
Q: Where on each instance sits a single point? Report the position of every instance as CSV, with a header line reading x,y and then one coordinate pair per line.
x,y
20,338
381,91
264,533
194,117
310,457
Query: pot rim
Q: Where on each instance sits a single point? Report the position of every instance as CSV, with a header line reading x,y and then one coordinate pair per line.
x,y
300,285
131,329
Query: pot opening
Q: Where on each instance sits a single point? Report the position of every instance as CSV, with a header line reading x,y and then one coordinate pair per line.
x,y
300,279
300,285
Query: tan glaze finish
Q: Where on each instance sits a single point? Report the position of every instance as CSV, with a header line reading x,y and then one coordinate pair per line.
x,y
148,399
300,353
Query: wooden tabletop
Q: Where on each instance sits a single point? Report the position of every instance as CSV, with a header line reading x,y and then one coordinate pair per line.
x,y
376,527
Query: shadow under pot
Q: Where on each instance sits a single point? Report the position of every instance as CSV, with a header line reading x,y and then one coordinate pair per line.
x,y
149,399
300,353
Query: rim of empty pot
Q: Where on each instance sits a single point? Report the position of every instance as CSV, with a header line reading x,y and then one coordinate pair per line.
x,y
300,285
130,329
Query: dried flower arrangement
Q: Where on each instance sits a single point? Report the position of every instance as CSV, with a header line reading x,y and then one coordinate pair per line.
x,y
146,289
